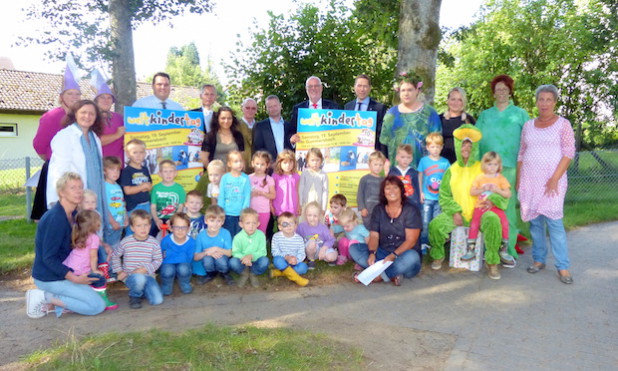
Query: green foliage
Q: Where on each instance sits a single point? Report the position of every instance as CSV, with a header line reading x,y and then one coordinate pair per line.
x,y
183,66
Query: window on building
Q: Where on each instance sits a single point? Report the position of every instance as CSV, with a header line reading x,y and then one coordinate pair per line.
x,y
8,130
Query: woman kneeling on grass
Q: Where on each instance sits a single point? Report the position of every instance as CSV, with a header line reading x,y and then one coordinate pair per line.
x,y
57,285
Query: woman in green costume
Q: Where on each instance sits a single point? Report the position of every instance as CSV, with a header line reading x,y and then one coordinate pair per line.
x,y
501,126
457,204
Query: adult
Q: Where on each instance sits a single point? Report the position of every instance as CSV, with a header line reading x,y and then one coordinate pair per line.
x,y
454,117
77,148
209,97
161,89
363,102
314,88
245,125
410,121
273,134
56,283
223,138
112,137
547,148
457,204
50,124
501,126
394,234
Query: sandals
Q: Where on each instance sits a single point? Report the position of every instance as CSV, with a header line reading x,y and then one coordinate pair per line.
x,y
535,268
355,277
397,280
566,279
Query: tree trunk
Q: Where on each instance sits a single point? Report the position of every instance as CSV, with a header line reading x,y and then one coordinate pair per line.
x,y
123,60
419,37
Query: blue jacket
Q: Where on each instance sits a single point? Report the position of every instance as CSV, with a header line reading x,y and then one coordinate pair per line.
x,y
52,245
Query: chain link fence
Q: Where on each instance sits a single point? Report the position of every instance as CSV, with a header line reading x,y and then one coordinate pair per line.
x,y
14,173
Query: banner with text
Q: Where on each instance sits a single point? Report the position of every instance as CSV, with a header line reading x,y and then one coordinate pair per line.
x,y
169,135
346,139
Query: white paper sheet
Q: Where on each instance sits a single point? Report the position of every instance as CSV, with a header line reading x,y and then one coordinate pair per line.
x,y
371,272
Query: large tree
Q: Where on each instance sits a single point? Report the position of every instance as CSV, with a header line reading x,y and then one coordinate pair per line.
x,y
101,32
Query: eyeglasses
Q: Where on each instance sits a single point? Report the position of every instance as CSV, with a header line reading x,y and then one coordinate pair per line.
x,y
313,86
183,228
286,224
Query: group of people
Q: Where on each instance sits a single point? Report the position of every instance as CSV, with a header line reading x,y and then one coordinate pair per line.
x,y
426,177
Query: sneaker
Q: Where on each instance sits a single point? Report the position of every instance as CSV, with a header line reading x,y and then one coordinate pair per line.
x,y
341,260
135,303
36,306
469,255
228,279
493,272
424,248
202,280
507,260
311,264
436,264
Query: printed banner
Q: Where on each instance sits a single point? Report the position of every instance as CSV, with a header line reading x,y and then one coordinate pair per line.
x,y
346,139
169,135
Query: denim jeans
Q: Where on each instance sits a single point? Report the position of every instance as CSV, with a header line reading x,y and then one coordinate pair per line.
x,y
78,298
408,264
182,271
212,265
557,239
144,285
280,263
231,224
258,267
113,237
431,209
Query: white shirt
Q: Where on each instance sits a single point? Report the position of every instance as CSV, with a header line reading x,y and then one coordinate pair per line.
x,y
152,101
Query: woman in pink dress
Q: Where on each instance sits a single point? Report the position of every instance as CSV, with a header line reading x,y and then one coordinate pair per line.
x,y
112,138
547,148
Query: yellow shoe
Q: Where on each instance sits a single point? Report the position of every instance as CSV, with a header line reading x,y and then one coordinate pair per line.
x,y
275,273
291,274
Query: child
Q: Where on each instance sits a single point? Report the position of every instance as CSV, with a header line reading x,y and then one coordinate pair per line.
x,y
115,201
167,197
317,237
354,233
84,257
262,187
215,170
249,250
135,180
141,257
193,206
177,249
234,192
431,168
407,174
368,194
89,202
491,181
338,203
213,247
313,181
286,184
288,249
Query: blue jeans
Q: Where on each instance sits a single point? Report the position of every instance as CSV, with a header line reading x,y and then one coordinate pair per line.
x,y
557,238
231,224
258,267
431,209
170,271
280,263
78,298
408,264
113,237
144,285
212,265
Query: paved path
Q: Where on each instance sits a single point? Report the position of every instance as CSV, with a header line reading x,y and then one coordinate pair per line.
x,y
440,320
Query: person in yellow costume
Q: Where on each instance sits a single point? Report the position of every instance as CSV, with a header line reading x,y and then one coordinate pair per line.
x,y
457,204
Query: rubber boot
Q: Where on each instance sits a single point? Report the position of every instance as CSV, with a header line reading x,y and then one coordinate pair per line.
x,y
244,276
109,305
276,273
255,282
291,274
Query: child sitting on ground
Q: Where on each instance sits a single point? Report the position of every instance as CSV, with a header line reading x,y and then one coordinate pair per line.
x,y
338,203
177,249
168,197
354,233
368,194
215,169
193,206
313,184
318,240
249,258
288,250
137,259
213,247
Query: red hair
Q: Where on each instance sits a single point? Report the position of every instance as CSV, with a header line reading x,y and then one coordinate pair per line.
x,y
505,79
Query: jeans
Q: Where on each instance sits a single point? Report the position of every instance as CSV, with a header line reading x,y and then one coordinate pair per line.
x,y
113,237
431,209
212,265
280,263
557,239
231,224
168,272
78,298
144,285
407,264
258,267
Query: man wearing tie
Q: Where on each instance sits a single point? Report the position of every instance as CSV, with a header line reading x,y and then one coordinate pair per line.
x,y
208,97
314,89
161,89
362,88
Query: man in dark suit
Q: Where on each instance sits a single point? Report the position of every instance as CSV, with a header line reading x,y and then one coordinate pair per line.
x,y
314,89
208,97
362,88
273,134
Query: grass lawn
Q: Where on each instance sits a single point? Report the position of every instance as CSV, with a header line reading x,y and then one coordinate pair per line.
x,y
16,245
209,348
13,204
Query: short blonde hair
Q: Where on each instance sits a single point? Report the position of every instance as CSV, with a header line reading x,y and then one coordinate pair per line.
x,y
167,162
434,138
315,152
90,193
235,153
248,212
216,165
490,156
348,215
214,212
136,142
377,155
65,178
405,148
139,214
313,204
